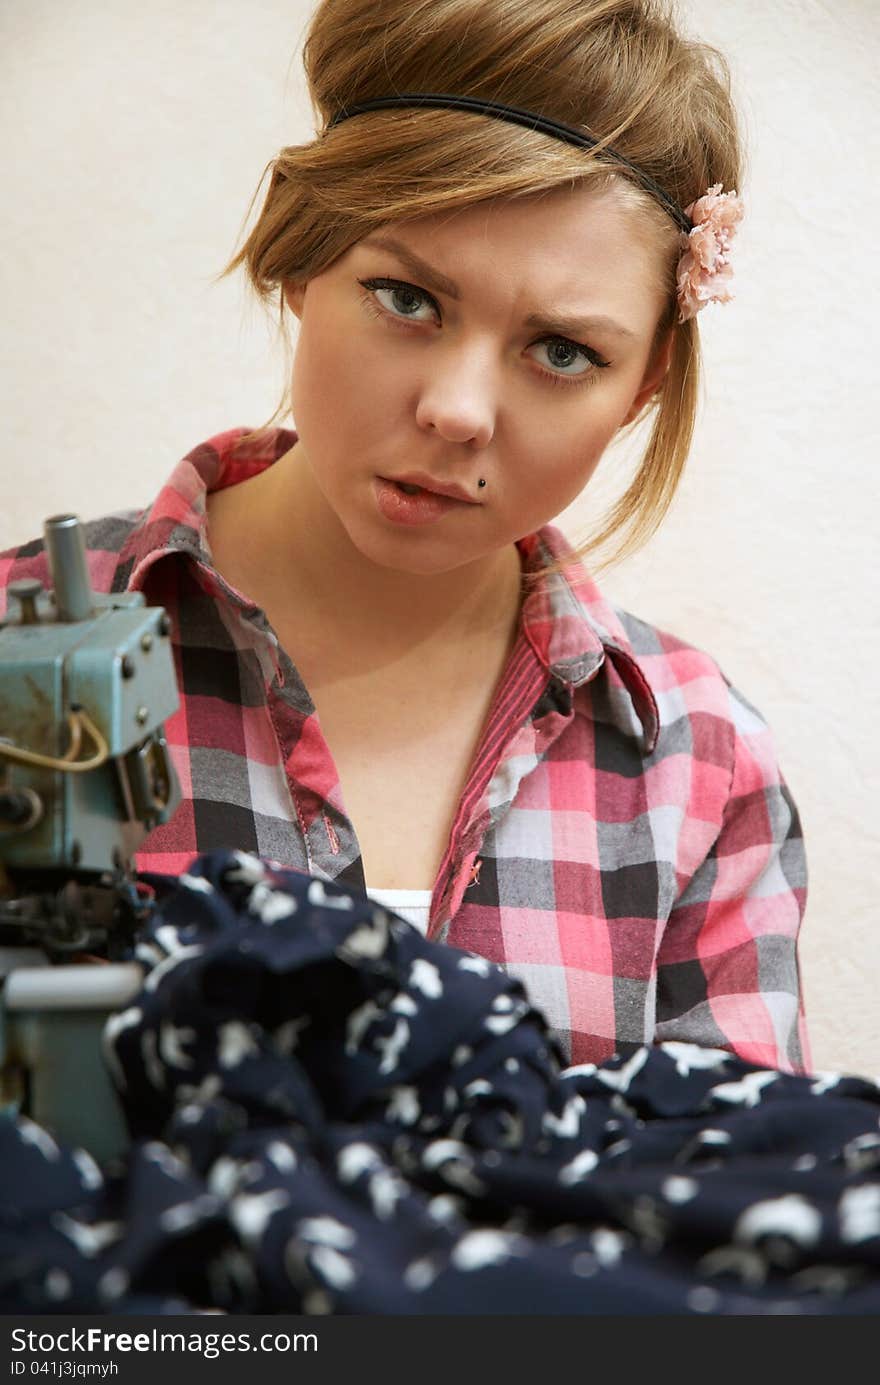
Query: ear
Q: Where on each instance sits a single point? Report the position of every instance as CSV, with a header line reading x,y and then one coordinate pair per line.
x,y
652,379
294,295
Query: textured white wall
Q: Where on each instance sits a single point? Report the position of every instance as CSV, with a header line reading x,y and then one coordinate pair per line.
x,y
134,137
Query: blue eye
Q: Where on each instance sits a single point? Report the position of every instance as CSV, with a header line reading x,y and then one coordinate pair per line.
x,y
398,290
404,297
576,355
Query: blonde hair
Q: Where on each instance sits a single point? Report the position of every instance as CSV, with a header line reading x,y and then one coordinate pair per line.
x,y
619,69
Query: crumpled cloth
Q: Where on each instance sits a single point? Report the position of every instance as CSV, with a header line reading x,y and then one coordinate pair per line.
x,y
332,1115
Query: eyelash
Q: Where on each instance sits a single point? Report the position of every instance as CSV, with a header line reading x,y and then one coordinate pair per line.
x,y
588,377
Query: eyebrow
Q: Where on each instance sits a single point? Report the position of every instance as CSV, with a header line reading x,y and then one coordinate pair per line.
x,y
563,323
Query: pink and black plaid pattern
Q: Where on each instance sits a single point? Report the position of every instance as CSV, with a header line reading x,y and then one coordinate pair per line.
x,y
625,844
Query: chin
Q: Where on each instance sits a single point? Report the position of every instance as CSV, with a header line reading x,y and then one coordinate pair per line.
x,y
417,554
419,562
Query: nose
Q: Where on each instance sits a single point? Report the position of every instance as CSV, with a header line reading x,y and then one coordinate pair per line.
x,y
458,400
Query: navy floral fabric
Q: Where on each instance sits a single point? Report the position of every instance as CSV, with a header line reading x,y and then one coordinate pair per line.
x,y
332,1115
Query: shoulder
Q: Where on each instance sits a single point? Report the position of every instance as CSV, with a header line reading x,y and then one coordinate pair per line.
x,y
682,675
701,710
122,542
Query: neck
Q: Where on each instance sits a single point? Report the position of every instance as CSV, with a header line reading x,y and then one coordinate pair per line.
x,y
297,555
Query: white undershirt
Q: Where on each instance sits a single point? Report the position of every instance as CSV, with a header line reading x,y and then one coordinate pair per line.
x,y
412,905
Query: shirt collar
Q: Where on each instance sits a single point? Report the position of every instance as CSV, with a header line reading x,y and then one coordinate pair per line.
x,y
176,522
574,630
571,627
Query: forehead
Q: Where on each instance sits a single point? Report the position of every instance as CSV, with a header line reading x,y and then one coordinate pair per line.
x,y
571,246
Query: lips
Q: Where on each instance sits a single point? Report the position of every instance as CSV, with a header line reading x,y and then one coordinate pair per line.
x,y
414,506
427,483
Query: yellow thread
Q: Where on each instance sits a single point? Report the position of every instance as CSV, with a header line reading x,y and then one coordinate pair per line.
x,y
76,721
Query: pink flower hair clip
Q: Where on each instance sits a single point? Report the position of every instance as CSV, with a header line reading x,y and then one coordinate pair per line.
x,y
704,272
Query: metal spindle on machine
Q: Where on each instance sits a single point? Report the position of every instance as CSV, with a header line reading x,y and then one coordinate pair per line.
x,y
74,599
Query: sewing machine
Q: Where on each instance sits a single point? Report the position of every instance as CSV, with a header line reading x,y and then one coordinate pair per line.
x,y
86,684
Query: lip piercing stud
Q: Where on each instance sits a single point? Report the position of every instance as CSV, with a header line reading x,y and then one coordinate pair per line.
x,y
481,483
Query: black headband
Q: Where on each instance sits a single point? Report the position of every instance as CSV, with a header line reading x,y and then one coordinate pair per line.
x,y
530,120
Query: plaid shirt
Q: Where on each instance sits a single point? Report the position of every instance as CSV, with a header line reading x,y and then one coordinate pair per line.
x,y
625,843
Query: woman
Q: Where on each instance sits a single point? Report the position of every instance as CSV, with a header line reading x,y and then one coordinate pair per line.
x,y
395,672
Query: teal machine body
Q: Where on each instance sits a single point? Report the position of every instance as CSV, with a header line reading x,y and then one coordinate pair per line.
x,y
86,684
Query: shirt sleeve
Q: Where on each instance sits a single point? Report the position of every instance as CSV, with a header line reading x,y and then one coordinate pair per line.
x,y
728,974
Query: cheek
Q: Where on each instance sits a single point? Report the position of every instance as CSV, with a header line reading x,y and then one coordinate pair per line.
x,y
338,382
556,462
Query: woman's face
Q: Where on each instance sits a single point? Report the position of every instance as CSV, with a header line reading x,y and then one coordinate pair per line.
x,y
453,354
